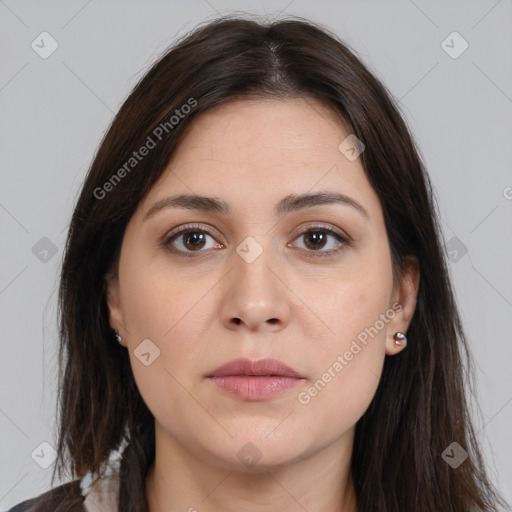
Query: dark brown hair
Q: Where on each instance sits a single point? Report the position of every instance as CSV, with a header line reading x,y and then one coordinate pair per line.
x,y
420,406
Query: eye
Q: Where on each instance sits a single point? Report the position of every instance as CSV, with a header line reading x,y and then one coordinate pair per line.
x,y
318,238
318,241
190,239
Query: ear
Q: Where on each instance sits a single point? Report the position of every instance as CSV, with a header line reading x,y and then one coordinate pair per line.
x,y
112,295
403,302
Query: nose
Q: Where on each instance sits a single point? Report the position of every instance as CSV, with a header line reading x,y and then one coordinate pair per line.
x,y
255,298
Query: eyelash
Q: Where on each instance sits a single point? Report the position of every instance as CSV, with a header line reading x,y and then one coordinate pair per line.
x,y
167,240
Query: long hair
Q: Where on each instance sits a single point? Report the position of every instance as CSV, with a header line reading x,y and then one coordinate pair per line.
x,y
420,407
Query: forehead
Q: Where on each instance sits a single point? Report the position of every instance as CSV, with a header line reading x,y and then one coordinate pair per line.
x,y
254,151
264,131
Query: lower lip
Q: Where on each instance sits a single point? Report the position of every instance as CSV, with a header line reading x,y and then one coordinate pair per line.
x,y
255,388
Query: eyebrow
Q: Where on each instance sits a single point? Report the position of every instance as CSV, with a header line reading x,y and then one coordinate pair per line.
x,y
288,204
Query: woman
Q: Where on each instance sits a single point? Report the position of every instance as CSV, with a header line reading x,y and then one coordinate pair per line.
x,y
310,357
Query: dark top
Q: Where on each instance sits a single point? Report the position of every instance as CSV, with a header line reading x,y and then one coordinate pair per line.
x,y
51,501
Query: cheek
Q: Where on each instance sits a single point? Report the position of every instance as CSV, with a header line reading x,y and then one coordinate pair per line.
x,y
349,365
163,307
349,362
355,311
335,401
154,297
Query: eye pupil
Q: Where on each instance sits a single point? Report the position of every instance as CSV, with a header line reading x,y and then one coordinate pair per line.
x,y
316,237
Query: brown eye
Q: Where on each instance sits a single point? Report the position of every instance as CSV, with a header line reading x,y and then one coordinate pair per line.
x,y
191,240
315,239
323,241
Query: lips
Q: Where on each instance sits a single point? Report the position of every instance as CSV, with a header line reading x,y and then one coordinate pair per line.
x,y
254,381
262,367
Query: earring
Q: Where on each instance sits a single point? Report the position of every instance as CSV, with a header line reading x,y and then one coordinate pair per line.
x,y
400,339
118,337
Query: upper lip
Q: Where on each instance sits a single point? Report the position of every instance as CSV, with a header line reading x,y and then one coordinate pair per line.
x,y
243,366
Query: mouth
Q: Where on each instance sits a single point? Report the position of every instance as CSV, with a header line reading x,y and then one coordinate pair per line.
x,y
260,368
255,380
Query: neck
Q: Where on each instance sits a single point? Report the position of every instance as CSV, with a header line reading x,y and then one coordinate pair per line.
x,y
180,481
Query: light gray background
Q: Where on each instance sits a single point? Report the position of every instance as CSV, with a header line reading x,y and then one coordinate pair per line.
x,y
54,112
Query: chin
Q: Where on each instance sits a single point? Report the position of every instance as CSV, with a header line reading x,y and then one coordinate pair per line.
x,y
255,453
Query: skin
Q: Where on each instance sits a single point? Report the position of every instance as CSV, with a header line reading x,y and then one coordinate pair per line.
x,y
252,153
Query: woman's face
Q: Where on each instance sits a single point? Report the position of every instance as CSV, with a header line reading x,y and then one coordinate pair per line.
x,y
281,272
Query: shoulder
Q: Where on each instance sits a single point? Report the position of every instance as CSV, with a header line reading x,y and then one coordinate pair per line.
x,y
68,495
